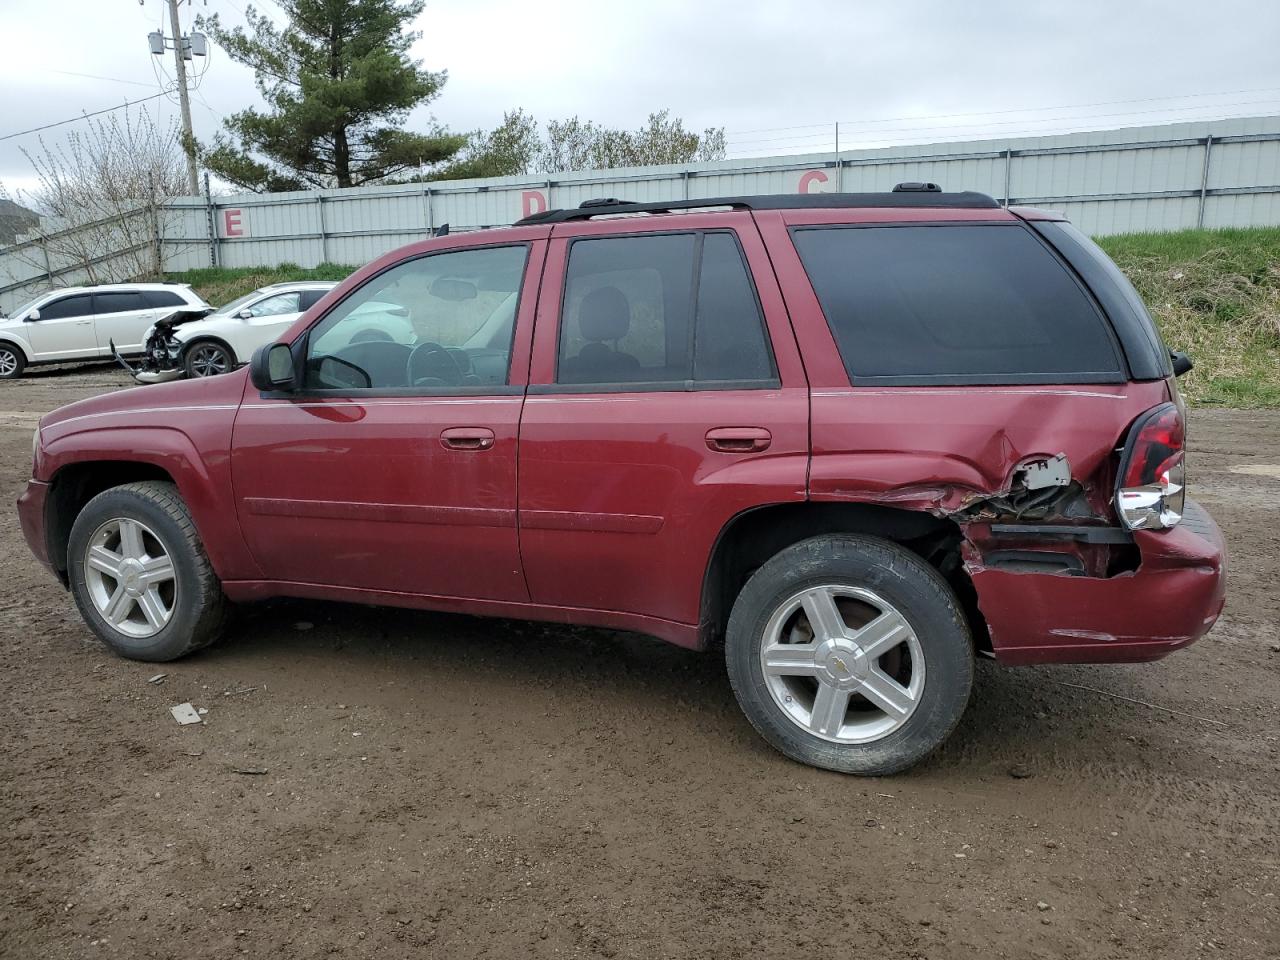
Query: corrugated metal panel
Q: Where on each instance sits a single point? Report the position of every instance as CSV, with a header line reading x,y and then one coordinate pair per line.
x,y
1109,181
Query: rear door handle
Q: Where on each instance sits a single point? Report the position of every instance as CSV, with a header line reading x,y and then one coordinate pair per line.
x,y
739,439
466,438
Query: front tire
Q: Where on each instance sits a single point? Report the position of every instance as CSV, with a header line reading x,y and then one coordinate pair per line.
x,y
850,653
140,576
205,358
12,362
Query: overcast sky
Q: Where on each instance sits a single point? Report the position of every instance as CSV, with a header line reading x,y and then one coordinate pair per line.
x,y
776,75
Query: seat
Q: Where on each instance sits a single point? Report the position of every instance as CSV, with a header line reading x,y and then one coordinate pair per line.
x,y
604,314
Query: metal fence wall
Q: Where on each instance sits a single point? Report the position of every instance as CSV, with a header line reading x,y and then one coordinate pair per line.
x,y
1223,173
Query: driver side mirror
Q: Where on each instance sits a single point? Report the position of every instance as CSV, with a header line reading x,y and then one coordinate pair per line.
x,y
33,315
245,314
272,369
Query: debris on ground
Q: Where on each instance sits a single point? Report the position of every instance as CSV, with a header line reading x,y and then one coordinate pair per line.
x,y
250,771
304,625
1020,771
185,713
158,678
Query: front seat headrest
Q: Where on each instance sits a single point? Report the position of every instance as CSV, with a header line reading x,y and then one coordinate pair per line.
x,y
604,314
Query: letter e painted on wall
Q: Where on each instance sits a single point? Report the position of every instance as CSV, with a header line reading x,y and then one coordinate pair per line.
x,y
531,202
233,224
812,181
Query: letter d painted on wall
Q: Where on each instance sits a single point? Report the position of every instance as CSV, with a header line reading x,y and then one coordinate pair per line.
x,y
531,202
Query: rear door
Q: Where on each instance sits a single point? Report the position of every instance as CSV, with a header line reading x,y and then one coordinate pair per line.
x,y
666,396
121,317
64,330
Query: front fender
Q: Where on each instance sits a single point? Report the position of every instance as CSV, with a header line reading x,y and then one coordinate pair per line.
x,y
203,480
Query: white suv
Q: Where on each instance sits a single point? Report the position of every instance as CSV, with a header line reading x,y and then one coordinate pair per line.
x,y
81,323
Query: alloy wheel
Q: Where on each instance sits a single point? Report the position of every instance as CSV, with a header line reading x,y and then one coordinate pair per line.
x,y
131,577
842,663
8,362
208,361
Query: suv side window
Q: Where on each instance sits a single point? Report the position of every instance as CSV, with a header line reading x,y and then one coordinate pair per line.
x,y
163,298
669,309
963,304
80,305
118,302
429,325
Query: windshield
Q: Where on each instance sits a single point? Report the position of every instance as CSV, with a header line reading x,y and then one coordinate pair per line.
x,y
23,310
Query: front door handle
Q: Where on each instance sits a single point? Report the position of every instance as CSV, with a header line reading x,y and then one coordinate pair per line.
x,y
739,439
466,438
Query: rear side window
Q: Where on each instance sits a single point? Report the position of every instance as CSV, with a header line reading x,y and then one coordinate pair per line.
x,y
77,306
955,304
671,310
309,298
118,302
163,298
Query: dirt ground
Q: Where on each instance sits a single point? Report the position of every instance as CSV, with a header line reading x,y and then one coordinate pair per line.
x,y
424,785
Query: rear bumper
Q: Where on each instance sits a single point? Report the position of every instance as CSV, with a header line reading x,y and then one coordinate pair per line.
x,y
1169,602
31,515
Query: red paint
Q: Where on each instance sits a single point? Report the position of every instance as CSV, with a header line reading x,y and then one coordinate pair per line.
x,y
231,223
808,179
531,202
605,508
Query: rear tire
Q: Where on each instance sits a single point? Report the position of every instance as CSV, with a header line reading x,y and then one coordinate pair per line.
x,y
850,653
12,361
140,576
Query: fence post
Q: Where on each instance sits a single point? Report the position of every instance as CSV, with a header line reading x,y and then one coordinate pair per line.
x,y
44,248
839,165
1204,181
324,237
426,202
210,226
1008,163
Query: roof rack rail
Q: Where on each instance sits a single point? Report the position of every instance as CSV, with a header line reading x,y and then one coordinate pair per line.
x,y
910,195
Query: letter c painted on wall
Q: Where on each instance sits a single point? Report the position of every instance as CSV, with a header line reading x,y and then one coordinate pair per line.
x,y
808,178
531,202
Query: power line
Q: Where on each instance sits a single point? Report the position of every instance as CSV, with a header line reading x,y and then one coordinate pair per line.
x,y
83,116
94,76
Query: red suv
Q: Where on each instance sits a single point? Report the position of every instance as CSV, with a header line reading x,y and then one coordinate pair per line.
x,y
857,439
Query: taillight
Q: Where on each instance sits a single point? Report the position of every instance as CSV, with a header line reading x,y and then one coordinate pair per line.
x,y
1151,485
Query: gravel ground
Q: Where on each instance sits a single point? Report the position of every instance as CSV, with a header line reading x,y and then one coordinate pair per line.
x,y
381,783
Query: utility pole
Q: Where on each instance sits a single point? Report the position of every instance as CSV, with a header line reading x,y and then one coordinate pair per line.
x,y
184,48
180,67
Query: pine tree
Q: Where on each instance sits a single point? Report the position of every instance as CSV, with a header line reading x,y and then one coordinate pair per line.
x,y
339,83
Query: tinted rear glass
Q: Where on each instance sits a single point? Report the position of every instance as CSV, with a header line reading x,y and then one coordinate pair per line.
x,y
118,302
163,298
955,304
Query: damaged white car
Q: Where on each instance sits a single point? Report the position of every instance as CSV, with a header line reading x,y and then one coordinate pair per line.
x,y
197,343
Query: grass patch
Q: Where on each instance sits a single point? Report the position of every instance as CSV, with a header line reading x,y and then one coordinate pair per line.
x,y
1214,294
219,285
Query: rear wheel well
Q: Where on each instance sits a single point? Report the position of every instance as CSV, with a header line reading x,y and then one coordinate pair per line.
x,y
75,485
752,537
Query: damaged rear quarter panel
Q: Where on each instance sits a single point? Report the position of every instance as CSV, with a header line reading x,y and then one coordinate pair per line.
x,y
945,451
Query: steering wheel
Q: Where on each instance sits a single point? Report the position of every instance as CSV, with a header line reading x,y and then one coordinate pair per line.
x,y
436,364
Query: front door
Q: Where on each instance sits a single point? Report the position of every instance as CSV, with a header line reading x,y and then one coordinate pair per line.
x,y
64,330
666,396
393,467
